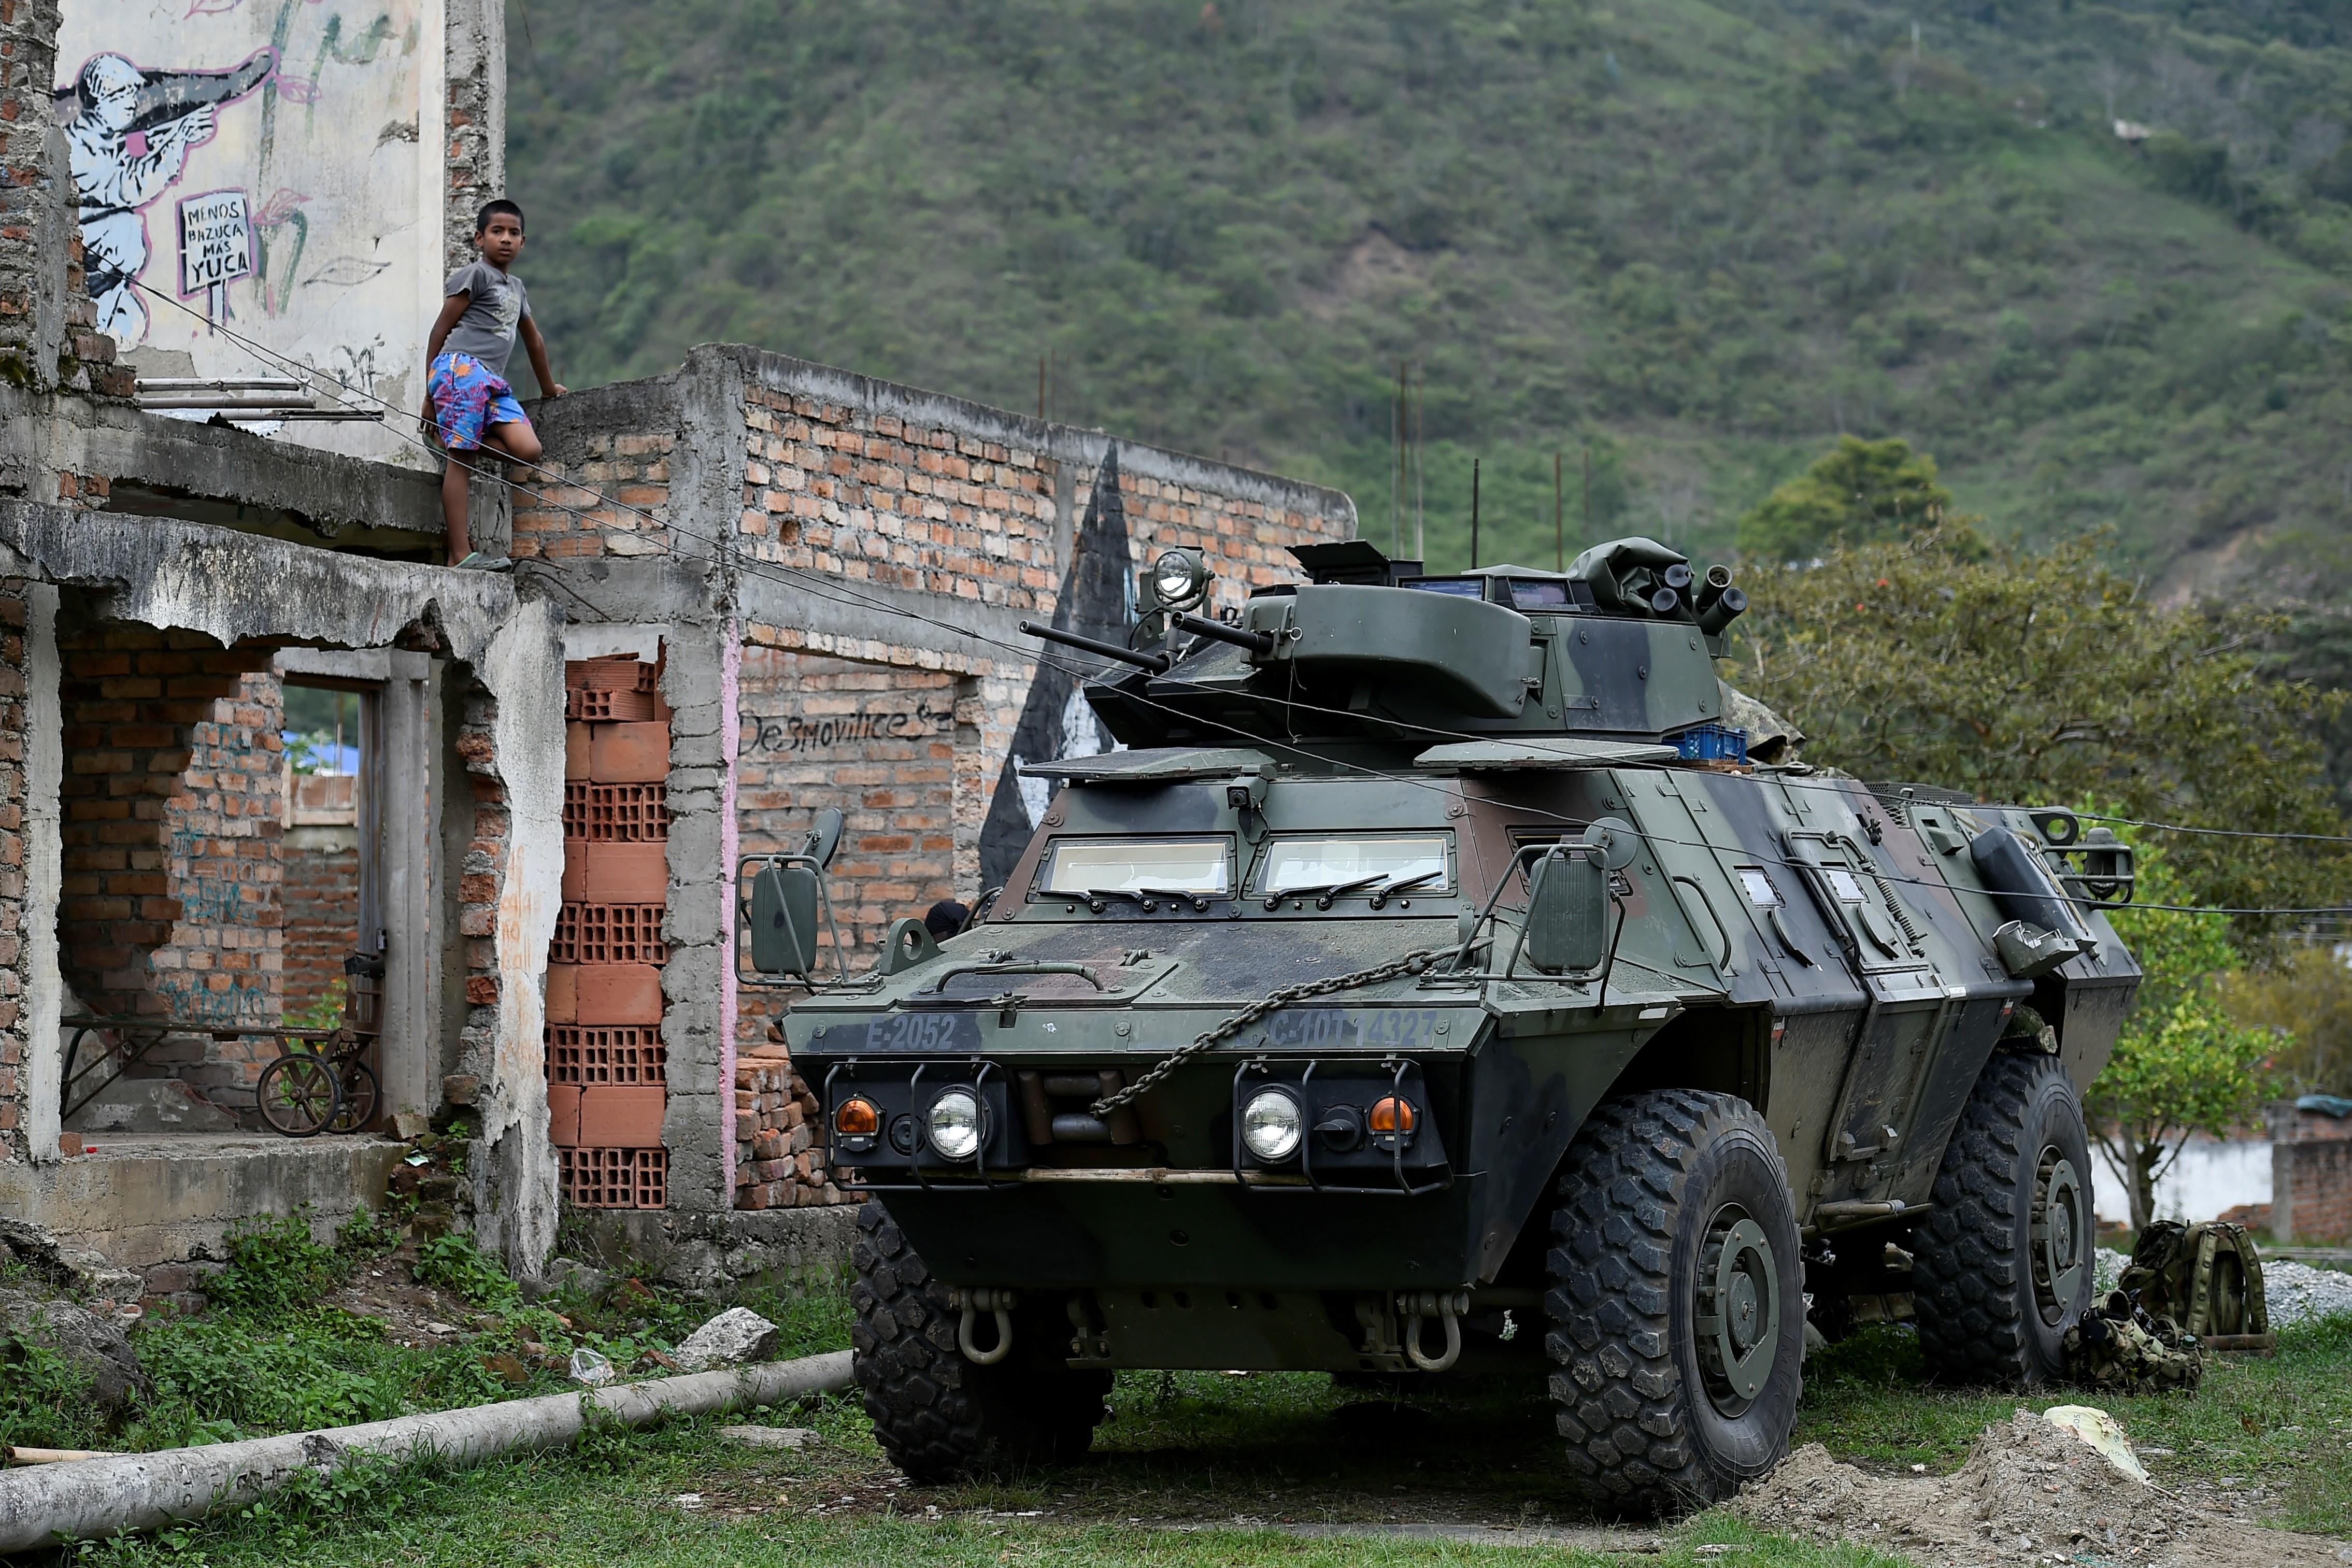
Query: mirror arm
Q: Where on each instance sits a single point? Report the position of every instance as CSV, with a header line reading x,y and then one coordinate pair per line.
x,y
1462,953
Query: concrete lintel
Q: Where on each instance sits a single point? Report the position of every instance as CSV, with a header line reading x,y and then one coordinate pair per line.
x,y
327,491
335,664
598,640
1020,432
232,586
644,593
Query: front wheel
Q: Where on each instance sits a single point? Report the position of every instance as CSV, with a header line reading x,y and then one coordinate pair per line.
x,y
940,1416
297,1095
2002,1263
1677,1303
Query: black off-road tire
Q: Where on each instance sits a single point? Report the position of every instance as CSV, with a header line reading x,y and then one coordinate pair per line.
x,y
1645,1194
940,1416
1988,1310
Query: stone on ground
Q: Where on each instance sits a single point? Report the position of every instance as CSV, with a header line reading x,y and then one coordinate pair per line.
x,y
95,1345
735,1337
769,1436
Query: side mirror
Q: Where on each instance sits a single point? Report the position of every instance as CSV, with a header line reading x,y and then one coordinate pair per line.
x,y
1567,910
783,917
824,838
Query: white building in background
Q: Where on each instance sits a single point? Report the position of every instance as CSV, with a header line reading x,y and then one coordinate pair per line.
x,y
2212,1175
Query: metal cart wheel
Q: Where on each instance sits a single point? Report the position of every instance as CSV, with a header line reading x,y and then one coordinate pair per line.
x,y
359,1094
299,1096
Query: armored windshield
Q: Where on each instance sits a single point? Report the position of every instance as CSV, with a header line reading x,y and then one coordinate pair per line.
x,y
1082,866
1333,861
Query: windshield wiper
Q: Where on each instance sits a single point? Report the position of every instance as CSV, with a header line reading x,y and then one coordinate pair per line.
x,y
1402,883
1097,899
1324,894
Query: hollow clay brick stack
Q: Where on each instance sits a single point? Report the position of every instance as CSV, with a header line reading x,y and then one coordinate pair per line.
x,y
606,1088
778,1156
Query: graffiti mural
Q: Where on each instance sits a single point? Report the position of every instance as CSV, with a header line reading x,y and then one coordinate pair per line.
x,y
1097,600
255,192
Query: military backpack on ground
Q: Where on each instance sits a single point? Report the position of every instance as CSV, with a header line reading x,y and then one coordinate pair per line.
x,y
2119,1347
2206,1278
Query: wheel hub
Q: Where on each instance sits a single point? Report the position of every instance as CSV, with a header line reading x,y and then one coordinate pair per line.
x,y
2059,1261
1739,1310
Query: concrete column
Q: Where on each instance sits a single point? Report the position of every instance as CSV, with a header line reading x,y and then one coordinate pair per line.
x,y
700,681
409,872
514,1192
44,853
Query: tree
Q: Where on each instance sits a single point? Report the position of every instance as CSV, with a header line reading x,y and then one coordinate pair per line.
x,y
2181,1063
2305,999
2047,679
1860,492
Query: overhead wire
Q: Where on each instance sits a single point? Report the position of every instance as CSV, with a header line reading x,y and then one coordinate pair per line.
x,y
834,590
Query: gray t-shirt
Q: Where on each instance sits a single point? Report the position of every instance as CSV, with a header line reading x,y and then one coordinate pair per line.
x,y
487,329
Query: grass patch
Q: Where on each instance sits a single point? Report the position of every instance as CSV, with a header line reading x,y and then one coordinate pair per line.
x,y
1203,1467
1192,1468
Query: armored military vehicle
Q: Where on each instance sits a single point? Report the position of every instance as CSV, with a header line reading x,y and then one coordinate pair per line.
x,y
1433,986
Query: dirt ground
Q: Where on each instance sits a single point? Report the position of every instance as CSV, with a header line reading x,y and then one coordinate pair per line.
x,y
2029,1494
414,1315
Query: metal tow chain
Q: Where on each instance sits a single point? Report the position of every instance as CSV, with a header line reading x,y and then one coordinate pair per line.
x,y
1411,963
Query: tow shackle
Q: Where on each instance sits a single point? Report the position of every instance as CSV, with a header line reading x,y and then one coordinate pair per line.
x,y
972,1303
1418,1307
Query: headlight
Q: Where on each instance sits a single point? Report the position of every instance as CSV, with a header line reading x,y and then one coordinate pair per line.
x,y
857,1118
955,1123
1178,577
1272,1125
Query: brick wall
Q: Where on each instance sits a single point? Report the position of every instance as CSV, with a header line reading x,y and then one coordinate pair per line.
x,y
12,847
879,743
33,222
2311,1173
169,899
607,465
322,900
607,1083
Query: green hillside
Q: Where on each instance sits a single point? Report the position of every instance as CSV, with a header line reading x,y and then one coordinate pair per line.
x,y
1698,238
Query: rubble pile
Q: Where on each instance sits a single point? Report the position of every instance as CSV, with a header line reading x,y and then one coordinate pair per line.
x,y
2031,1493
779,1163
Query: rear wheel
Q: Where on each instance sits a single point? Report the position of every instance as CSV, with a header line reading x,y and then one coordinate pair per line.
x,y
2002,1262
1676,1304
359,1087
940,1416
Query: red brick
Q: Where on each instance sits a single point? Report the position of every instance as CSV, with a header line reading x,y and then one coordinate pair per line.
x,y
629,754
622,1116
564,1115
621,873
562,993
618,994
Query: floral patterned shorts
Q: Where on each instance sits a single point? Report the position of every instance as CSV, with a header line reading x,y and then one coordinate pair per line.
x,y
465,398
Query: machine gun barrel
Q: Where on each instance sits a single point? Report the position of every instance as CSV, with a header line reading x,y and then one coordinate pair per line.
x,y
1157,663
1258,643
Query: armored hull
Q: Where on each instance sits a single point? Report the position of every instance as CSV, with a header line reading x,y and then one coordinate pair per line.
x,y
1421,918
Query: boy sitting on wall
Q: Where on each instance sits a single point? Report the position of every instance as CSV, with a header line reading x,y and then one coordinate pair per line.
x,y
468,400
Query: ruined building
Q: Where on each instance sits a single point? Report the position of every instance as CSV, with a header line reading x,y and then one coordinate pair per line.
x,y
747,590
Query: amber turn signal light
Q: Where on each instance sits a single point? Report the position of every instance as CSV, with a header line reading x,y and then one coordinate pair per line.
x,y
856,1119
1392,1115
